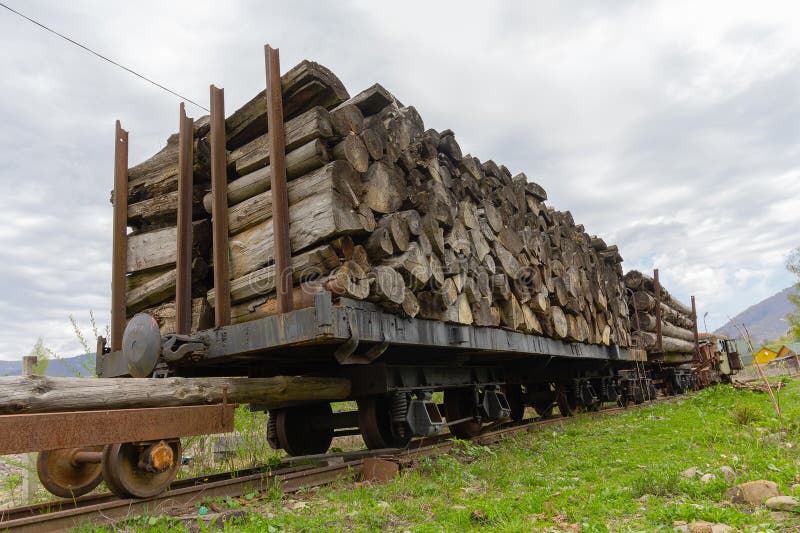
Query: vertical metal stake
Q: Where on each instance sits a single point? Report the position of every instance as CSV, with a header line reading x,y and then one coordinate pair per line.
x,y
119,255
219,209
183,261
277,163
657,291
29,476
696,336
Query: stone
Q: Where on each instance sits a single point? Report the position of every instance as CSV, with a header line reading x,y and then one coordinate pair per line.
x,y
728,473
690,473
783,503
753,492
707,478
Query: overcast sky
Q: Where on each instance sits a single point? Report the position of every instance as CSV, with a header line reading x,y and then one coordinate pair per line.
x,y
669,128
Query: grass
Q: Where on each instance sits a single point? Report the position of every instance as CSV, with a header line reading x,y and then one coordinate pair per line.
x,y
615,473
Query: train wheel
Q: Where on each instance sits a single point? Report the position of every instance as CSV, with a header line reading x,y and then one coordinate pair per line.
x,y
141,470
65,476
375,423
458,404
566,401
516,401
305,429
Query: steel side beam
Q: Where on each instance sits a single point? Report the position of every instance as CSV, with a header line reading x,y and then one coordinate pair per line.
x,y
51,431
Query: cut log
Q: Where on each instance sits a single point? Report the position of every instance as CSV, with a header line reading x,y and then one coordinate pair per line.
x,y
353,150
337,176
155,249
347,119
558,321
386,284
41,394
412,264
307,266
349,280
263,306
202,316
300,161
384,188
647,322
313,124
157,286
311,221
303,87
647,340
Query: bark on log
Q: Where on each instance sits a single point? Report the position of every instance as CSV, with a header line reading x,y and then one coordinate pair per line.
x,y
306,266
647,322
647,341
154,249
299,161
156,287
305,86
337,175
41,394
313,124
311,221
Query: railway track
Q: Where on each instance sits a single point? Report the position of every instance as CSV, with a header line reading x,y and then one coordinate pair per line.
x,y
293,474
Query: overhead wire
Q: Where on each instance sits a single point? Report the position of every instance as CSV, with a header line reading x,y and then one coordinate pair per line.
x,y
101,56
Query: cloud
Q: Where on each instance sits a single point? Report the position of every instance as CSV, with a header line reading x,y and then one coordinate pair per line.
x,y
670,128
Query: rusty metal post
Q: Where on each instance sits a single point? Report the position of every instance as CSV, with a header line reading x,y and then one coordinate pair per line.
x,y
696,335
657,291
183,260
219,209
29,479
277,163
119,257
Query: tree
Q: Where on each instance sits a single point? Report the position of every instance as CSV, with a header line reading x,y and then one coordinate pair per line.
x,y
793,265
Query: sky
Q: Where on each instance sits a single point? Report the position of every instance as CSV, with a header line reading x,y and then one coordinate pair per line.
x,y
671,128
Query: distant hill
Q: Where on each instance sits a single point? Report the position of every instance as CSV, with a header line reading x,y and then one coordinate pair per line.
x,y
68,366
763,320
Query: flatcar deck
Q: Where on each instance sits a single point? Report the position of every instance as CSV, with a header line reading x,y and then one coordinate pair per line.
x,y
356,332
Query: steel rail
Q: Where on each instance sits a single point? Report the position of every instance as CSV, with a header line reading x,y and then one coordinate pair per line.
x,y
290,477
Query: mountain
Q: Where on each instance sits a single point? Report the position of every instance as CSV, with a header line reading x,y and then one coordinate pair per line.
x,y
766,320
67,366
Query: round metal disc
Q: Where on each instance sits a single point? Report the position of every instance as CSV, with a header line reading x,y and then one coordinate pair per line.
x,y
61,477
124,478
141,345
375,423
305,429
458,404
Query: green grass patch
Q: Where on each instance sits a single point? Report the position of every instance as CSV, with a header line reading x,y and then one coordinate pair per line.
x,y
610,473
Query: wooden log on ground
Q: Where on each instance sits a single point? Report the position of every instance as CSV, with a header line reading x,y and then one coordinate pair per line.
x,y
42,394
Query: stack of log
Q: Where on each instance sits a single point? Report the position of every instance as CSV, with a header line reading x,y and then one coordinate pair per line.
x,y
677,321
382,209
